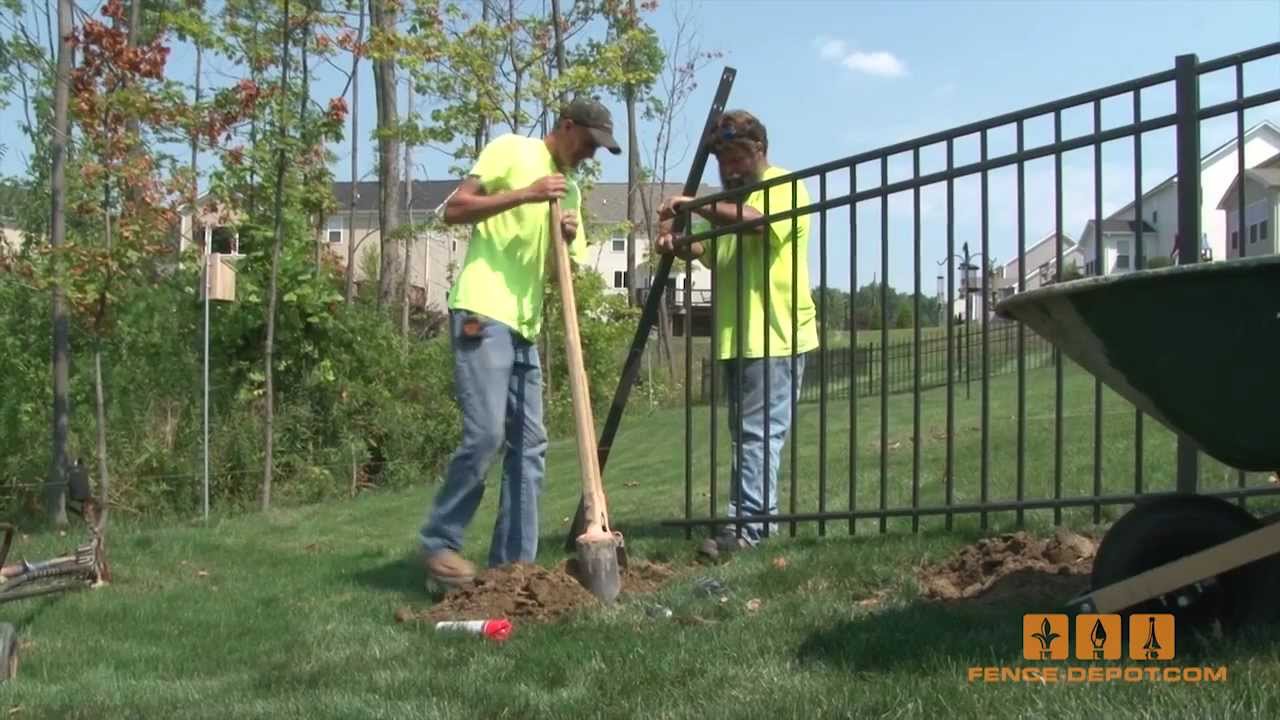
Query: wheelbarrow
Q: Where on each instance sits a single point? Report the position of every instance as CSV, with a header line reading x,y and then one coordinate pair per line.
x,y
1194,347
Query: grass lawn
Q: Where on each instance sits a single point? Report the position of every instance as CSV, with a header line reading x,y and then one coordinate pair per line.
x,y
290,614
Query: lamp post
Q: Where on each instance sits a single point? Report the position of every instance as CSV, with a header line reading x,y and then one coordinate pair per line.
x,y
969,284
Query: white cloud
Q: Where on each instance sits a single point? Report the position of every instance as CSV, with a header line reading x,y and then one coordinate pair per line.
x,y
832,50
879,63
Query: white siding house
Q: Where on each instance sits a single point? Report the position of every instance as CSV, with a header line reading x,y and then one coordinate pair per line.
x,y
1160,209
1261,210
1041,262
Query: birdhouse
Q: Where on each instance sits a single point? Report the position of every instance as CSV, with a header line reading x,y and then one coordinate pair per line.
x,y
220,276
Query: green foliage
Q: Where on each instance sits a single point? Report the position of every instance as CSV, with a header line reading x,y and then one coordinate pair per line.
x,y
605,324
350,390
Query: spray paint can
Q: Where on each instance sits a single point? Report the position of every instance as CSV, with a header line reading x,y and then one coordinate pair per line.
x,y
498,629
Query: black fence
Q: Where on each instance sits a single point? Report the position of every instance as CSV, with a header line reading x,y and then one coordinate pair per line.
x,y
859,368
845,472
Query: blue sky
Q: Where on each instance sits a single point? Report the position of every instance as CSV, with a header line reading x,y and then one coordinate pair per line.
x,y
834,78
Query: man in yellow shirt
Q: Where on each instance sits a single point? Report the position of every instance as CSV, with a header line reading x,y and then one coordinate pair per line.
x,y
741,144
495,312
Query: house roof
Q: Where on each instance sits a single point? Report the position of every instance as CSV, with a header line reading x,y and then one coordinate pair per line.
x,y
1067,245
1265,126
607,201
1266,174
426,195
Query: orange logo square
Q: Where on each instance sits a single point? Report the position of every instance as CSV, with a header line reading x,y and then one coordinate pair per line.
x,y
1098,637
1044,637
1151,637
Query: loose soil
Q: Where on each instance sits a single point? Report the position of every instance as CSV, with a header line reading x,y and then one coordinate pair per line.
x,y
1013,567
533,593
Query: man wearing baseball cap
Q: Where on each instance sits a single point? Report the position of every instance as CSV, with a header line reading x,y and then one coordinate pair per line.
x,y
495,314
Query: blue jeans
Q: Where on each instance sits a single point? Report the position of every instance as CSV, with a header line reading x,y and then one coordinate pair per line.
x,y
744,385
498,382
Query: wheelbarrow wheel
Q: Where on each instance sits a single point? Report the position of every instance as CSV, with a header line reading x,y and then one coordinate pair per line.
x,y
1161,530
8,652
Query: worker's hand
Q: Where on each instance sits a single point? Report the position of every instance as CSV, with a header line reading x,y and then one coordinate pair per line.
x,y
569,225
671,206
665,244
551,187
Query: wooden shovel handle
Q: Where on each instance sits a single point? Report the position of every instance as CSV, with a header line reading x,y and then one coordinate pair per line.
x,y
592,490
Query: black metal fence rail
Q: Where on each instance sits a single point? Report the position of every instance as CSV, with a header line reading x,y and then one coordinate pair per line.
x,y
859,368
886,367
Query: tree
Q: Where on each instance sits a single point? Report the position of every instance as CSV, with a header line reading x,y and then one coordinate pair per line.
x,y
384,47
55,489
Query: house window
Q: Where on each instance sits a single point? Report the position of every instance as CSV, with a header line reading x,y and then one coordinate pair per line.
x,y
1262,230
1155,216
1253,234
619,279
619,244
223,240
1235,239
1122,254
336,226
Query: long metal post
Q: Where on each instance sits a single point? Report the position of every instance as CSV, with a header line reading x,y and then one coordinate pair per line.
x,y
207,284
651,306
1187,90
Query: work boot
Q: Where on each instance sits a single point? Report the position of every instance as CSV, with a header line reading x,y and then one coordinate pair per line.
x,y
722,544
448,568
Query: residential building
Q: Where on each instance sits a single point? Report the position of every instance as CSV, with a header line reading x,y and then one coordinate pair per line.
x,y
1041,261
436,256
433,257
1218,170
606,210
1261,210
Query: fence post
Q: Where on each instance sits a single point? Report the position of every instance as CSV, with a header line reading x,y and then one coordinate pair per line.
x,y
1187,91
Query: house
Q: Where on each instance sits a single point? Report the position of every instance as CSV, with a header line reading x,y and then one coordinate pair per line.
x,y
606,210
437,254
10,236
1218,169
432,258
1261,210
1041,263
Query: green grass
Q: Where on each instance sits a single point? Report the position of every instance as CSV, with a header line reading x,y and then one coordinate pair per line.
x,y
289,614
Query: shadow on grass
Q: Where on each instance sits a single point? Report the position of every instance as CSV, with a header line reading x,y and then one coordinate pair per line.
x,y
404,575
983,630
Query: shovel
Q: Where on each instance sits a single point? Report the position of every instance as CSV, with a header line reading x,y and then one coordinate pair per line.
x,y
598,545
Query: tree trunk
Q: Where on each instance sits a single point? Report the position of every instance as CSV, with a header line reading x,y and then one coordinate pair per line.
x,y
633,177
302,122
104,481
408,208
384,79
350,289
482,128
516,66
265,497
132,38
195,152
56,486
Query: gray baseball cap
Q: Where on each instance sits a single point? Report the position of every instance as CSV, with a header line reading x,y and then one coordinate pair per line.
x,y
594,116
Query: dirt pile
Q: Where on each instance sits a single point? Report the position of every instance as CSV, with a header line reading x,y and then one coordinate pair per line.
x,y
1015,565
532,593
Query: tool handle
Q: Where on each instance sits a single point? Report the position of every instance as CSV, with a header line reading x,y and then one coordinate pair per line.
x,y
592,489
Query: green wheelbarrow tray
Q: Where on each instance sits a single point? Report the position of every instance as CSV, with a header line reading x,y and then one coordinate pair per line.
x,y
1197,347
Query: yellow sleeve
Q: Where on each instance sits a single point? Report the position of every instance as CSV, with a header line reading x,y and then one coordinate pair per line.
x,y
493,164
780,202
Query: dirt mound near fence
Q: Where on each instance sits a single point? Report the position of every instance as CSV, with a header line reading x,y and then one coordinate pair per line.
x,y
532,593
1014,566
